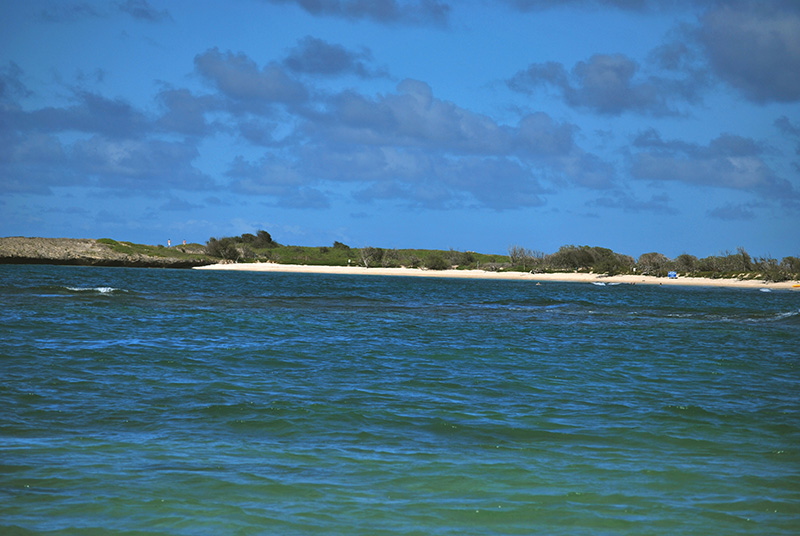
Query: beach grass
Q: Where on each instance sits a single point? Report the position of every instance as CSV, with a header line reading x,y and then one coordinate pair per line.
x,y
187,251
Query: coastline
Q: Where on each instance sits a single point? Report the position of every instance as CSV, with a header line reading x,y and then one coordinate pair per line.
x,y
562,277
95,252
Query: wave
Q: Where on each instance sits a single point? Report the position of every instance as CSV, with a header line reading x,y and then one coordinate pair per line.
x,y
521,302
720,316
101,290
62,290
770,317
787,315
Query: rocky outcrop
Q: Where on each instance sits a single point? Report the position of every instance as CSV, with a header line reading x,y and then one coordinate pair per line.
x,y
84,252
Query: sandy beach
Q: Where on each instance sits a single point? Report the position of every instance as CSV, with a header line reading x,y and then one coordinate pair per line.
x,y
518,276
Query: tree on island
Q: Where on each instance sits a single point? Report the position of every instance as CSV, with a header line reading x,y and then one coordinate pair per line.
x,y
437,262
519,256
261,239
234,248
653,264
370,256
223,248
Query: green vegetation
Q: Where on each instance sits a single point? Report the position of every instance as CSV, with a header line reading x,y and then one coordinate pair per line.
x,y
237,248
597,260
245,249
188,251
573,259
590,259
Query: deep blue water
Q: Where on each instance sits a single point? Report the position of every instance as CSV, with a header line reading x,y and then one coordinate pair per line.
x,y
140,402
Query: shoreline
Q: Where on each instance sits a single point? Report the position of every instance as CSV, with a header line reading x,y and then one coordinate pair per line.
x,y
561,277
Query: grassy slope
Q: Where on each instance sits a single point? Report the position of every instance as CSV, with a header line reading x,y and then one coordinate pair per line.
x,y
189,251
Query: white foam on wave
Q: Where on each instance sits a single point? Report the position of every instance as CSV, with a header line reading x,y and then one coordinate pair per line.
x,y
781,316
101,290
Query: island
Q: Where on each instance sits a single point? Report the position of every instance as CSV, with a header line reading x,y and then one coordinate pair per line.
x,y
260,253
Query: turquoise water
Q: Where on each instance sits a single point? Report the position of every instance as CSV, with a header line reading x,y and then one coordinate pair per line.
x,y
138,401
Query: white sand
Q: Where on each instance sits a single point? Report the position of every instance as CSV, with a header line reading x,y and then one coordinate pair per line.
x,y
518,276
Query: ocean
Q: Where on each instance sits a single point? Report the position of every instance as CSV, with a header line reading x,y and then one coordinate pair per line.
x,y
185,402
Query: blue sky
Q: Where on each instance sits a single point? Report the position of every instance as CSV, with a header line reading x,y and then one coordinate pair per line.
x,y
475,125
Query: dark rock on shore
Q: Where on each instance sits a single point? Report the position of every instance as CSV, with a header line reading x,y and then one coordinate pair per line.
x,y
88,252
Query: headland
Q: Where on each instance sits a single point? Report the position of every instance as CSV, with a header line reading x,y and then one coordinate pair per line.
x,y
97,252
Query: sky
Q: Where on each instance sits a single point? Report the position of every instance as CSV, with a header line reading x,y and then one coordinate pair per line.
x,y
635,125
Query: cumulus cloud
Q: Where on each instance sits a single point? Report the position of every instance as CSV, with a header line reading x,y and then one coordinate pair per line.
x,y
539,135
176,204
411,12
608,84
789,129
88,113
33,163
318,57
413,148
407,145
258,132
732,212
496,183
657,204
755,47
239,78
91,113
11,86
428,179
142,10
584,169
413,118
185,113
434,182
143,166
119,153
36,163
410,117
627,5
752,46
69,12
276,178
728,161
